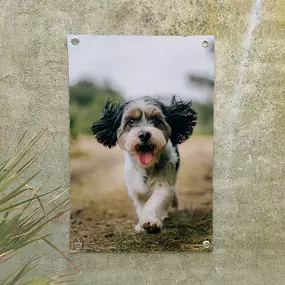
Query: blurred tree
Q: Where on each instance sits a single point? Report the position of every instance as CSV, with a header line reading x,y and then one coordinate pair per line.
x,y
205,118
86,102
202,80
82,93
205,111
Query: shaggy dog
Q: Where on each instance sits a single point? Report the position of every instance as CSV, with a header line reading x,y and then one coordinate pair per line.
x,y
149,132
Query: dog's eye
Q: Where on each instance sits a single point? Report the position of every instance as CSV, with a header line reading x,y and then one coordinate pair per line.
x,y
131,122
155,121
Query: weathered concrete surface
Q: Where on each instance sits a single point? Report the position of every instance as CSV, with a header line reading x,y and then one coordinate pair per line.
x,y
249,198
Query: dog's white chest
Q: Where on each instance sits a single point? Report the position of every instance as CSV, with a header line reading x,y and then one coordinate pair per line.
x,y
134,180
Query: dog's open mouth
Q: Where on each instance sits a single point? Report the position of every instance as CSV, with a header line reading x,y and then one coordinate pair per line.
x,y
145,153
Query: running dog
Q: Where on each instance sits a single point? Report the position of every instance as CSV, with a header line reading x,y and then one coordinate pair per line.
x,y
149,132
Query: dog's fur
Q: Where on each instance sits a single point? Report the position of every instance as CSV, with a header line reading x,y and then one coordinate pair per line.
x,y
149,132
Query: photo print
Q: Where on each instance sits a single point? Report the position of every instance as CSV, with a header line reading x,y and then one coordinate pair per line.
x,y
141,143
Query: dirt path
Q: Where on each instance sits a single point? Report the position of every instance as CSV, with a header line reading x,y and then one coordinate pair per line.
x,y
103,215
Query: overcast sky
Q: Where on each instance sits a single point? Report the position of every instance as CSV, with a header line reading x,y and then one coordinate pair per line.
x,y
142,65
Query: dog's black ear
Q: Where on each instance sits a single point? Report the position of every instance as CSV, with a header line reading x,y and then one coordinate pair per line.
x,y
182,120
105,129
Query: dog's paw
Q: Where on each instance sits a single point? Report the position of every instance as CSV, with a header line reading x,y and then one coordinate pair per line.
x,y
152,227
139,229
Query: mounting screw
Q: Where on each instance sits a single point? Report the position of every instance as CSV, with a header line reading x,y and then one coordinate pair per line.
x,y
78,245
206,244
205,43
75,41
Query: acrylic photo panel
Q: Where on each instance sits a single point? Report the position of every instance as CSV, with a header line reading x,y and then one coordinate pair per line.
x,y
141,143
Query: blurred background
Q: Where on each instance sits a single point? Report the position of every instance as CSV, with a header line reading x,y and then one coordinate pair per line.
x,y
122,68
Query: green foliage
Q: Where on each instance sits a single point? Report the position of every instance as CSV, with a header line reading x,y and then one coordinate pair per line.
x,y
201,81
205,120
205,111
22,213
86,102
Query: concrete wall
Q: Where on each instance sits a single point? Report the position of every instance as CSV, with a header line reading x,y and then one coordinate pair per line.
x,y
249,198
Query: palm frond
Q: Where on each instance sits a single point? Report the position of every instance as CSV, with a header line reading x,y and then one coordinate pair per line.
x,y
23,216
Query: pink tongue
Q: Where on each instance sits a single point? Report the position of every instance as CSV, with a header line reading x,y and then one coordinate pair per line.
x,y
145,157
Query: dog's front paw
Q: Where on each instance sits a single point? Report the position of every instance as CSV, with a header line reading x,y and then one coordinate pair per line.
x,y
151,226
139,229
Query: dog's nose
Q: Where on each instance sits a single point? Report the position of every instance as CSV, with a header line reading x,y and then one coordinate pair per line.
x,y
144,136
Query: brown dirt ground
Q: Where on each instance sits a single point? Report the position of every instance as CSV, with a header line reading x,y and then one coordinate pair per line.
x,y
103,216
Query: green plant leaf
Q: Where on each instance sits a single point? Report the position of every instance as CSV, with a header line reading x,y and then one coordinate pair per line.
x,y
17,191
23,218
16,205
14,161
23,271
